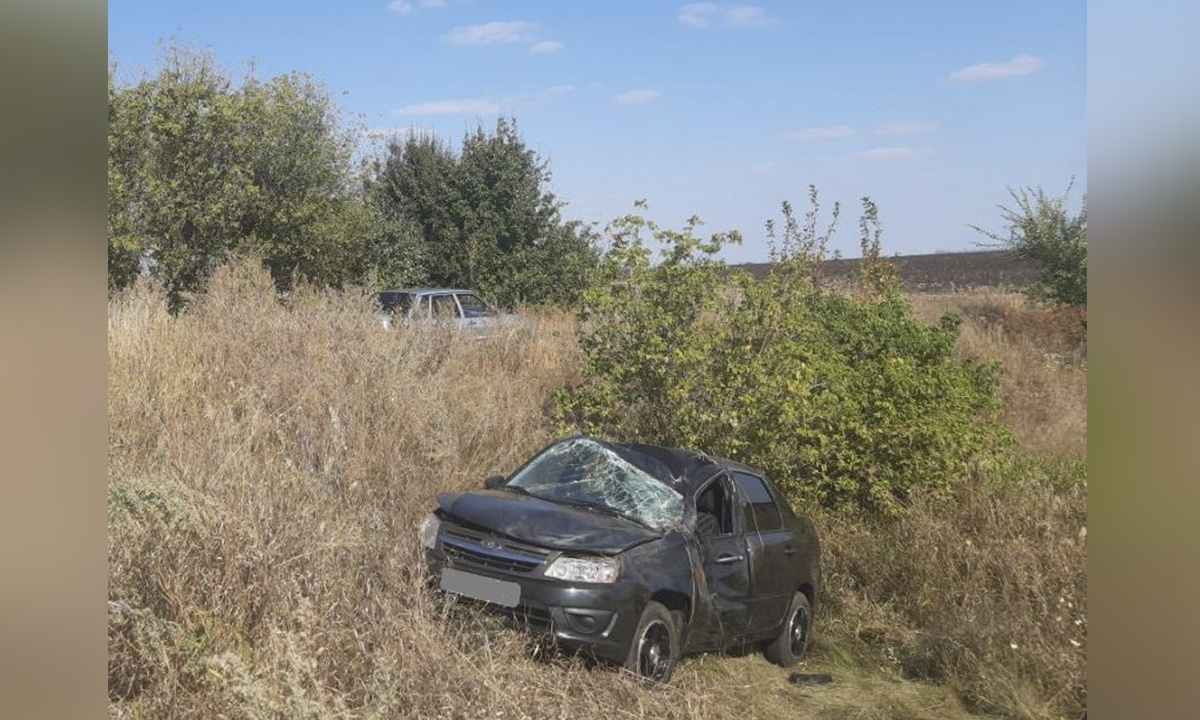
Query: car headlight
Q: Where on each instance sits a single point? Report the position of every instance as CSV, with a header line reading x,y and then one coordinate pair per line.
x,y
428,531
591,569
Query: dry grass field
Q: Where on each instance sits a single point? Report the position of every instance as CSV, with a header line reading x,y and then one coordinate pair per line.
x,y
269,462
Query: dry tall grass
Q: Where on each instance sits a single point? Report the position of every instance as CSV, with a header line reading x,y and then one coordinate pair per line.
x,y
986,591
267,469
268,464
1044,354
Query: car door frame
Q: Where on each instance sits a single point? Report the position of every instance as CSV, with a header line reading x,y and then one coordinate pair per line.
x,y
419,311
723,583
488,309
456,311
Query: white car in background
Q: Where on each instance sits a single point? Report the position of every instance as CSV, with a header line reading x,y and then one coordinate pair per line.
x,y
431,305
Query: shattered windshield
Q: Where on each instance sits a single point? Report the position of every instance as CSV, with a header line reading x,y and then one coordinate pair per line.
x,y
584,472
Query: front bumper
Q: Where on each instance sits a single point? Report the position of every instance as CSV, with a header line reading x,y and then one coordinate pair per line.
x,y
600,619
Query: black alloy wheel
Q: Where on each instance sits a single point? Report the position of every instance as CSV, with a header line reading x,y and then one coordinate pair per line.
x,y
655,646
790,646
800,623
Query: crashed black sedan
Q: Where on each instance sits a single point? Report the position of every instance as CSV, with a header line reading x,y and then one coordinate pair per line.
x,y
632,552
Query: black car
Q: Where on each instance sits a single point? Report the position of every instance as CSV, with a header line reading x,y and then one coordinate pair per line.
x,y
633,552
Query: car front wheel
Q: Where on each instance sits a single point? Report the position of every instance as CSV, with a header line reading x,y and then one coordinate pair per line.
x,y
655,646
789,646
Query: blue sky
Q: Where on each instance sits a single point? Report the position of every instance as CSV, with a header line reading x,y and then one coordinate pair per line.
x,y
721,110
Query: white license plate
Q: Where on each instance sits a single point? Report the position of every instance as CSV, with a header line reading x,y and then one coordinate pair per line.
x,y
482,588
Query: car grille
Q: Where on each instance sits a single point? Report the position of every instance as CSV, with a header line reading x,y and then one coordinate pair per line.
x,y
476,549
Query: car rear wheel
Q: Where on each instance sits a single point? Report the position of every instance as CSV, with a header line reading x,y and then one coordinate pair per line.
x,y
655,646
789,646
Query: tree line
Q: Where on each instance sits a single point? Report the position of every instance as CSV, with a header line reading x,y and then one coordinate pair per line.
x,y
203,167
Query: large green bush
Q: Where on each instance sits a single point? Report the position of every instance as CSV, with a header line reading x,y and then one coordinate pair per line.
x,y
846,400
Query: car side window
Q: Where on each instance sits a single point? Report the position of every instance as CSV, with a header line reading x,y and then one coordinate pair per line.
x,y
472,306
714,507
761,512
443,306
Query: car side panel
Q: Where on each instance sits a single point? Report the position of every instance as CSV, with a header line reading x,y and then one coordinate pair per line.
x,y
808,562
783,560
659,568
722,579
772,578
727,592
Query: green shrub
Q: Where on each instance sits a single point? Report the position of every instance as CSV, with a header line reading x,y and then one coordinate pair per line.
x,y
845,400
1041,229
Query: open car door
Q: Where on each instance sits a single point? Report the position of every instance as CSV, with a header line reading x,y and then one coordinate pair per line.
x,y
723,593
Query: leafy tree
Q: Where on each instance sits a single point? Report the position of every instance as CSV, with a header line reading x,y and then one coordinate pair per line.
x,y
200,168
415,187
123,246
303,216
845,400
486,218
174,140
1041,229
393,255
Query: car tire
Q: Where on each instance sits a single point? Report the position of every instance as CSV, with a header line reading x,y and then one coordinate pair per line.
x,y
654,649
789,647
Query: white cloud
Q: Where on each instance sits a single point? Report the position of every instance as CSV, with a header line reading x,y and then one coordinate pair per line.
x,y
464,106
517,31
828,132
702,15
485,105
890,154
747,16
697,14
637,96
1018,66
903,127
404,7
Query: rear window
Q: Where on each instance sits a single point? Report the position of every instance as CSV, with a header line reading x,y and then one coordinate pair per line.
x,y
761,512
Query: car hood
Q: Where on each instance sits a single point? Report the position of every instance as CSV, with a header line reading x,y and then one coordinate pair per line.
x,y
544,523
